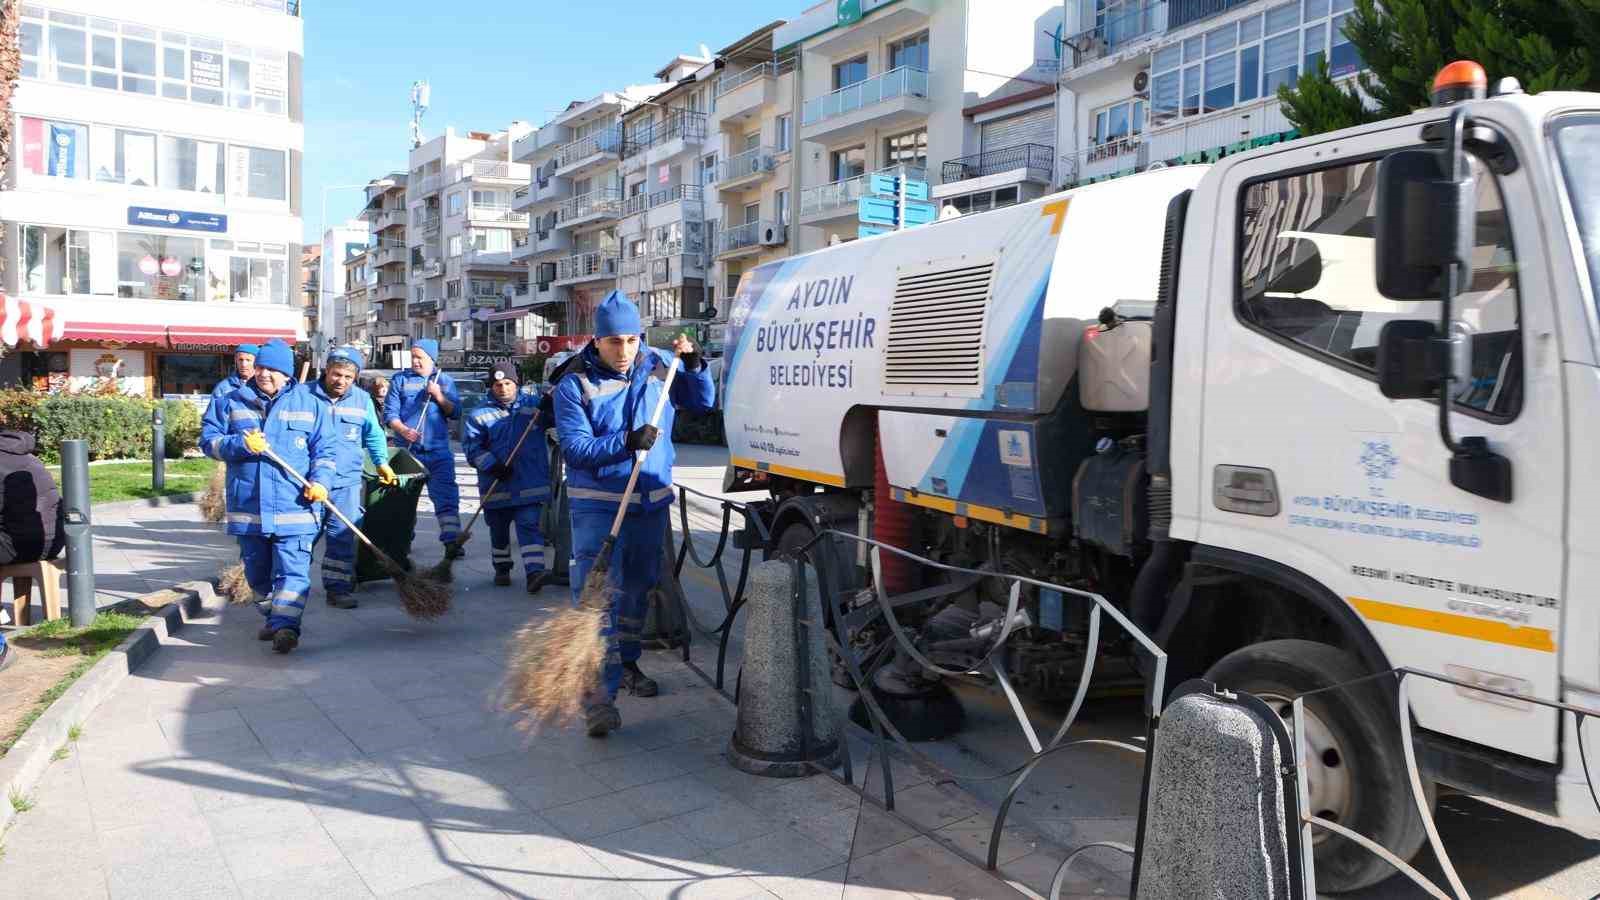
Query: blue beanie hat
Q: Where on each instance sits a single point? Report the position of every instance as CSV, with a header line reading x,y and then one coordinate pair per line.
x,y
347,354
428,346
616,315
251,349
275,355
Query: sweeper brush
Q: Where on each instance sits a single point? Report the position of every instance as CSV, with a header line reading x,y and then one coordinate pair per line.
x,y
555,665
232,584
214,502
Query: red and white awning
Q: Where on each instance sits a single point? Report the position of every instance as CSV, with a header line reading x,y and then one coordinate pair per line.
x,y
181,336
116,332
30,320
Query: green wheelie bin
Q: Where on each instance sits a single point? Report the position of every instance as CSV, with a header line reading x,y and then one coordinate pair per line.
x,y
391,517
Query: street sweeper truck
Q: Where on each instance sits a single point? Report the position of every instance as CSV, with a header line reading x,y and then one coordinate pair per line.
x,y
1314,411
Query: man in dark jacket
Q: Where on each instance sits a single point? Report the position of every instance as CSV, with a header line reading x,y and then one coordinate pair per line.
x,y
30,503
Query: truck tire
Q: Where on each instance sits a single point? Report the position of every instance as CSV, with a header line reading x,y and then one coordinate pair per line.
x,y
1356,767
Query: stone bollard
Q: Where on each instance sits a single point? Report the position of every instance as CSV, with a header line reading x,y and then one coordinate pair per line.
x,y
1221,811
770,738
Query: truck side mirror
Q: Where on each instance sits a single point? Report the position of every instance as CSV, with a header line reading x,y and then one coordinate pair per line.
x,y
1425,226
1410,364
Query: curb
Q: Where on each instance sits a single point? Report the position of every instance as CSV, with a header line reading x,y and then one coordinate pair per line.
x,y
146,502
21,769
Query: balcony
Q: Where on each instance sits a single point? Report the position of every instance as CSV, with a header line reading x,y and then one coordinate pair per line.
x,y
1123,156
388,290
503,216
428,225
1026,162
430,268
589,154
1183,12
423,307
665,139
750,237
670,268
545,239
427,184
494,172
837,200
489,259
594,266
895,98
391,327
535,146
484,300
740,172
387,254
1118,27
596,206
742,95
639,203
386,218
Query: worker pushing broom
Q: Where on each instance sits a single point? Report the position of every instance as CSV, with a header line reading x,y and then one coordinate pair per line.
x,y
614,419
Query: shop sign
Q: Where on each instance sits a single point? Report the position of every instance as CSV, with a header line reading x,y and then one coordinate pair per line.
x,y
205,69
181,219
554,343
483,359
450,359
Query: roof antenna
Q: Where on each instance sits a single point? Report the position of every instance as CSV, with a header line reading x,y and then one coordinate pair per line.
x,y
420,94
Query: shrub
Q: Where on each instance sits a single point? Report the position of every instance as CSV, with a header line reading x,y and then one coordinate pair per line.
x,y
117,426
183,426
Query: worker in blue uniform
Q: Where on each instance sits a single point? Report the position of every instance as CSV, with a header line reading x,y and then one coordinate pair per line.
x,y
244,368
602,411
521,484
419,408
275,520
356,433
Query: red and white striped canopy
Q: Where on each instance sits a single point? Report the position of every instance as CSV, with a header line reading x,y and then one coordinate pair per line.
x,y
30,320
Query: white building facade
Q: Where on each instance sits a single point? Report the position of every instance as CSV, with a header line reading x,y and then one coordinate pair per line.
x,y
340,244
153,202
1184,81
388,256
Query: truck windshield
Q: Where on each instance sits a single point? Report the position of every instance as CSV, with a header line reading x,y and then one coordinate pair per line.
x,y
1578,144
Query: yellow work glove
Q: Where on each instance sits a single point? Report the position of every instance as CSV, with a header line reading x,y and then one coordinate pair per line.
x,y
386,475
255,441
316,493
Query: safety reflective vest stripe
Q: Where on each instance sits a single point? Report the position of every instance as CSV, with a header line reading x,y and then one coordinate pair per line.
x,y
578,493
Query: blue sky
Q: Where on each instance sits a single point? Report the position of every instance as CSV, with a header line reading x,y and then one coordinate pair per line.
x,y
488,63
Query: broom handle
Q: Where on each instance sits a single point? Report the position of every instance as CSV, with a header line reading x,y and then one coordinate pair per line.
x,y
639,455
271,454
462,539
422,414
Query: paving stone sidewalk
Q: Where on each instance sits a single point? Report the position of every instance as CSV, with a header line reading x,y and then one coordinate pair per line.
x,y
372,761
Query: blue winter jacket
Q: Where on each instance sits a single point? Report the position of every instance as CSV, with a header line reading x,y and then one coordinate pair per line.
x,y
356,431
225,387
487,436
407,392
262,499
595,408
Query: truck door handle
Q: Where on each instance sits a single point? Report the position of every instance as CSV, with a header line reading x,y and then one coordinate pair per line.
x,y
1245,489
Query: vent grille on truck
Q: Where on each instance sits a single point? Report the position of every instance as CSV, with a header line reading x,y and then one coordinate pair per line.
x,y
936,329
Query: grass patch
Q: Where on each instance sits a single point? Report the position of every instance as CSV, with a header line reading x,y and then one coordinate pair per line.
x,y
57,637
60,754
20,801
74,733
131,480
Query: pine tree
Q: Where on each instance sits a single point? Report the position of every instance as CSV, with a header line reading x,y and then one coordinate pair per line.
x,y
1545,44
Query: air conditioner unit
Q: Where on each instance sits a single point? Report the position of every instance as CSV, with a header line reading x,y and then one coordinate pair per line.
x,y
772,236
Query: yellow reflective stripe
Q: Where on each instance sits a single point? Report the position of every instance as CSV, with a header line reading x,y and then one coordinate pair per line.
x,y
1491,630
973,511
802,474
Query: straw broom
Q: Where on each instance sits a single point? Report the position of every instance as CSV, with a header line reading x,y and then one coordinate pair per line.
x,y
422,597
214,502
442,570
556,663
233,585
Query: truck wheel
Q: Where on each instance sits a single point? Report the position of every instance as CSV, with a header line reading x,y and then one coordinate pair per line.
x,y
1356,768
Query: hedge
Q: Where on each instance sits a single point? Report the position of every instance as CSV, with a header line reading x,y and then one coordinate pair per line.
x,y
117,426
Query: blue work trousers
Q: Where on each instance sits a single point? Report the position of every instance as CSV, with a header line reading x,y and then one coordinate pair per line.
x,y
339,542
442,490
530,542
278,567
635,567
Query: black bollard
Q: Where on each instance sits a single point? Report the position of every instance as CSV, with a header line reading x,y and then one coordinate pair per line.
x,y
158,451
80,531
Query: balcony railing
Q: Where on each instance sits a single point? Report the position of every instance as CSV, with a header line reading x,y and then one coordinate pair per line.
x,y
1183,12
427,184
485,168
606,201
1038,159
587,265
729,83
741,237
689,126
1116,26
499,215
423,307
751,162
428,224
608,141
906,81
846,191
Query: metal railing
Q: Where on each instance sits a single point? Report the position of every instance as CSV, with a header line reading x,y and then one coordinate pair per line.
x,y
1117,26
757,161
503,215
845,192
772,69
1183,12
608,141
750,234
690,192
484,168
1037,159
906,81
689,126
427,184
603,202
587,265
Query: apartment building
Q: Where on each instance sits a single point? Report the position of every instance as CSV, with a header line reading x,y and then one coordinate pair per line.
x,y
387,262
339,244
955,92
310,282
462,235
356,310
574,201
749,169
1182,81
661,231
152,204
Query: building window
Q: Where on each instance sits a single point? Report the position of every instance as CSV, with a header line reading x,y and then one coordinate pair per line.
x,y
191,165
68,261
136,158
907,150
157,267
56,149
783,138
453,204
452,289
912,51
847,163
752,213
1249,59
256,279
259,173
1117,123
708,169
454,246
849,72
783,207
